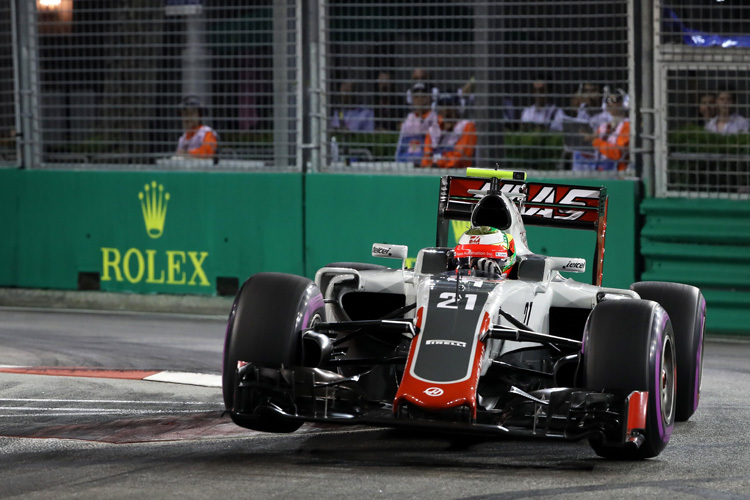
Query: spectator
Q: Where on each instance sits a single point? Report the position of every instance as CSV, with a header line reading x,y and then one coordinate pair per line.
x,y
199,140
465,92
454,146
388,109
726,120
589,105
417,123
612,139
541,115
420,75
349,115
466,97
706,109
587,102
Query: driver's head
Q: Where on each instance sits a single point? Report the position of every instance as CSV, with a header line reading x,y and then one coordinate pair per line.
x,y
487,249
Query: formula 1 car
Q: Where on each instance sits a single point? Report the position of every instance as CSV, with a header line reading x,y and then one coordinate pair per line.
x,y
448,345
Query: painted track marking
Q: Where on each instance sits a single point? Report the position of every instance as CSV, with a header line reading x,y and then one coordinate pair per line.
x,y
174,377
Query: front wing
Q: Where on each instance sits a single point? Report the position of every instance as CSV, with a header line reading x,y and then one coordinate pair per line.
x,y
317,395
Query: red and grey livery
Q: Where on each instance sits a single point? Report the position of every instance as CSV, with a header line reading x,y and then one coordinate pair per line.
x,y
438,346
444,363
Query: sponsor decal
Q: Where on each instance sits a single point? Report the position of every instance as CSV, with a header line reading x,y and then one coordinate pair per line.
x,y
561,195
168,267
451,302
434,391
381,250
574,264
446,342
154,207
539,194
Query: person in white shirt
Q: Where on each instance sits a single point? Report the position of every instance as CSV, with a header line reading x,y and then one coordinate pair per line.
x,y
726,120
588,100
417,124
464,92
349,115
541,114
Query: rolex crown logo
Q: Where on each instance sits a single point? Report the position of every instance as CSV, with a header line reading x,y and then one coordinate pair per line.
x,y
154,205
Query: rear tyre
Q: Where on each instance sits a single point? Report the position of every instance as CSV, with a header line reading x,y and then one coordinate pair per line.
x,y
629,346
687,312
265,324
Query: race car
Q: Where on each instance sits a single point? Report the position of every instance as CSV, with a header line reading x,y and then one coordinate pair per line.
x,y
483,337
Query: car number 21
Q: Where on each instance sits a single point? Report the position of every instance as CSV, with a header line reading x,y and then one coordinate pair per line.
x,y
450,301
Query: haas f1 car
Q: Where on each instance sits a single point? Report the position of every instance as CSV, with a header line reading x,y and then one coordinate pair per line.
x,y
484,337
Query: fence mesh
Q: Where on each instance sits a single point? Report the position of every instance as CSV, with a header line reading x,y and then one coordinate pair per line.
x,y
112,75
8,155
517,70
703,58
520,82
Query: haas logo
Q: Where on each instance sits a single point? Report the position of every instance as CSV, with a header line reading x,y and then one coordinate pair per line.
x,y
434,391
474,239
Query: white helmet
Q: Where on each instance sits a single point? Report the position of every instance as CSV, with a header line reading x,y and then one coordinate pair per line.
x,y
486,247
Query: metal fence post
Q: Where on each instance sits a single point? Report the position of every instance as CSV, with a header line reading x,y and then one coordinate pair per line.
x,y
28,90
645,66
322,85
311,102
280,85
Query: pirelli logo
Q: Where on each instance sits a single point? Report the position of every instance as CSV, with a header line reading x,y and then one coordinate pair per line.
x,y
454,343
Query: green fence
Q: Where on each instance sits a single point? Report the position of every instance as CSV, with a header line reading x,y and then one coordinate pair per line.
x,y
704,243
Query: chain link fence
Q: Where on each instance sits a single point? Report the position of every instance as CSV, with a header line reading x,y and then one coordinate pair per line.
x,y
8,112
110,76
522,77
329,85
702,61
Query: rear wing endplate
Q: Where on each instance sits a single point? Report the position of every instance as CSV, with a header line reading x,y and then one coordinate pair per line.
x,y
540,204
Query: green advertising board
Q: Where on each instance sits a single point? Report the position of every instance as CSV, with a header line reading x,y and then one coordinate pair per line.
x,y
142,232
186,232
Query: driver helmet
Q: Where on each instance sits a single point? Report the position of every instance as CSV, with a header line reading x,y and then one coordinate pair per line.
x,y
486,249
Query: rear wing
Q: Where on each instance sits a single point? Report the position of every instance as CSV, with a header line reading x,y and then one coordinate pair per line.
x,y
540,204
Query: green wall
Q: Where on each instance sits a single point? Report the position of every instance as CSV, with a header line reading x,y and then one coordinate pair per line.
x,y
10,202
57,224
705,243
215,225
348,213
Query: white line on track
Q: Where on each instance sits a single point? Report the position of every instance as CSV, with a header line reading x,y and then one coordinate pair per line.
x,y
167,376
97,410
201,379
114,401
94,414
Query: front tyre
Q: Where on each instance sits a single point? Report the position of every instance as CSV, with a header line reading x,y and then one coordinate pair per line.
x,y
629,346
687,312
268,316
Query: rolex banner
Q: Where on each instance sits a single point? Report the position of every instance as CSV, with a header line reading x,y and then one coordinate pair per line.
x,y
151,232
206,232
